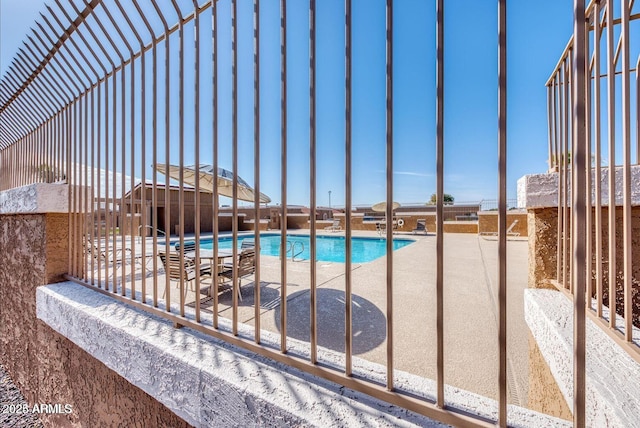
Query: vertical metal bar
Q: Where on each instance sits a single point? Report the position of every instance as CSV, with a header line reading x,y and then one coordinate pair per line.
x,y
27,156
588,183
566,227
132,182
25,163
33,149
638,111
611,110
556,142
181,197
626,172
65,121
20,164
123,206
256,162
91,210
313,329
196,112
74,120
389,213
560,161
85,209
570,170
106,208
154,201
98,192
114,208
439,201
154,177
578,210
143,176
502,211
283,163
234,159
214,112
167,139
572,142
347,188
597,130
78,117
550,125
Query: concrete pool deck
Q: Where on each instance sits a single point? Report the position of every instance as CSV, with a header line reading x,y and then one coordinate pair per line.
x,y
470,305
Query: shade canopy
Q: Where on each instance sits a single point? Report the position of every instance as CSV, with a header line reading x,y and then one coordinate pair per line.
x,y
224,180
382,206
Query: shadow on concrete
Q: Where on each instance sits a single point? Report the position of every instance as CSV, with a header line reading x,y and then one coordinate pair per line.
x,y
369,323
269,297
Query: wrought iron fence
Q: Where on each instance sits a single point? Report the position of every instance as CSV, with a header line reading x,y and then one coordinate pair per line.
x,y
608,211
99,91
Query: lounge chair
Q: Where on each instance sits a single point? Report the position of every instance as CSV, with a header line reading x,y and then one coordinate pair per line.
x,y
510,231
187,270
189,246
246,266
421,226
334,227
101,255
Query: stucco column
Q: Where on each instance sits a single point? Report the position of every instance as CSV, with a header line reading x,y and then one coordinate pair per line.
x,y
47,367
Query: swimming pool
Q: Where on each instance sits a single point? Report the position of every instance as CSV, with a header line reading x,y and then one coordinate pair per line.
x,y
328,248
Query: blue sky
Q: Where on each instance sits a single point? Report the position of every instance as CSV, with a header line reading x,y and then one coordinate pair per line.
x,y
537,31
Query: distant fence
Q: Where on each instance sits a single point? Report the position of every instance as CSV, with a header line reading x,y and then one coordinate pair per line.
x,y
492,204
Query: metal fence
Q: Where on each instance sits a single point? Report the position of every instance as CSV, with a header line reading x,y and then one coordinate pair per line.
x,y
99,91
604,213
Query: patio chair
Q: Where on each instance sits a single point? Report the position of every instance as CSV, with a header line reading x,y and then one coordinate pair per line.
x,y
421,226
103,256
187,270
510,231
247,243
246,266
188,246
334,227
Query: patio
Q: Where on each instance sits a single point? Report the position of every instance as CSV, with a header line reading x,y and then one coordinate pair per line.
x,y
471,332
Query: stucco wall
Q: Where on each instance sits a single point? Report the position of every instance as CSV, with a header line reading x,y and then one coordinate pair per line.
x,y
488,222
297,221
45,366
543,226
410,221
460,227
544,394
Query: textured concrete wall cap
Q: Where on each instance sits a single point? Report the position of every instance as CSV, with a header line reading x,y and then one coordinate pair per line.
x,y
541,190
613,377
39,198
208,382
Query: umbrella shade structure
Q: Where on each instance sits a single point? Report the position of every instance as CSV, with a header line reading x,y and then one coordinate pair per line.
x,y
381,207
224,179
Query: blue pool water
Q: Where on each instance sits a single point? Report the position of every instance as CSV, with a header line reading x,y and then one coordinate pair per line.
x,y
328,248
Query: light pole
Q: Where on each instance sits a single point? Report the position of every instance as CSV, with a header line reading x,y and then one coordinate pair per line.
x,y
329,199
